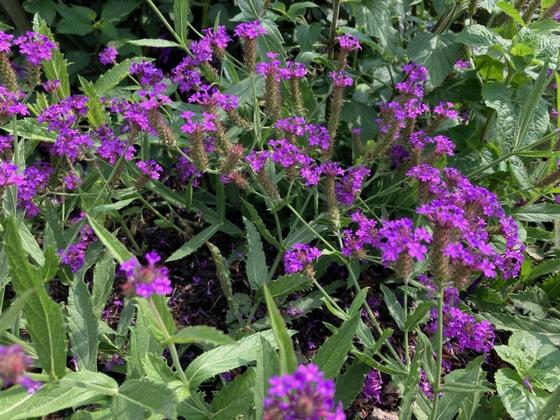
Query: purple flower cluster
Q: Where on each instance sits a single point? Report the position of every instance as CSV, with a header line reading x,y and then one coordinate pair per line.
x,y
108,56
10,103
249,30
9,175
462,65
218,38
6,144
300,257
303,395
348,42
373,387
13,365
186,170
150,168
111,148
212,98
293,70
317,135
51,86
445,110
350,185
413,83
6,41
395,239
465,211
74,255
35,47
270,68
146,280
340,79
35,180
442,144
203,125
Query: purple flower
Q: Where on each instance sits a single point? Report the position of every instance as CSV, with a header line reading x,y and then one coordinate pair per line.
x,y
303,395
6,41
340,78
6,143
350,186
217,38
9,175
146,280
415,76
71,180
186,75
51,86
372,387
300,257
398,237
461,65
446,110
257,160
150,168
204,125
13,365
35,47
249,30
186,170
147,73
111,147
108,56
211,97
271,67
35,180
287,154
65,113
74,255
348,42
71,143
10,105
293,70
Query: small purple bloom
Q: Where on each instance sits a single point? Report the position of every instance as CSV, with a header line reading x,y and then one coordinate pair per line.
x,y
146,280
249,30
108,56
340,78
35,47
150,168
13,365
300,257
348,42
372,387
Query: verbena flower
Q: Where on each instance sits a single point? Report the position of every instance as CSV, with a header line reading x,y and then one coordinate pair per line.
x,y
51,86
373,387
74,255
150,168
193,125
108,55
249,30
446,110
146,280
300,257
10,103
111,148
461,65
6,144
13,366
350,186
348,42
146,73
303,395
340,78
217,38
6,42
35,180
9,175
292,70
415,76
35,47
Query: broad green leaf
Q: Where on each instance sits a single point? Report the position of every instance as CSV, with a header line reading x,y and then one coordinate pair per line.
x,y
115,11
548,327
103,277
257,270
333,352
395,308
411,385
154,398
141,343
480,36
181,10
267,365
112,77
83,325
44,319
115,247
437,52
541,212
8,316
551,407
30,245
520,402
223,273
154,43
236,398
351,382
201,334
288,284
375,19
511,11
288,360
194,243
225,358
74,390
417,316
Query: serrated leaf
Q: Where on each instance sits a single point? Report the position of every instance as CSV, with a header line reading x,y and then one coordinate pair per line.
x,y
112,77
115,247
259,223
288,360
83,326
437,52
267,365
288,284
222,270
201,334
351,382
235,398
331,355
257,270
194,243
511,11
7,317
418,315
153,397
520,403
103,277
395,308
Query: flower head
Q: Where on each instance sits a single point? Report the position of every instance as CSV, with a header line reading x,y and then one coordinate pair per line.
x,y
348,42
303,395
300,257
6,41
150,168
35,47
108,56
13,365
340,78
372,387
10,103
249,30
146,280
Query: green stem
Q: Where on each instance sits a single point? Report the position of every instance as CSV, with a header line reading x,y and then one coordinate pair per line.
x,y
334,22
439,343
405,307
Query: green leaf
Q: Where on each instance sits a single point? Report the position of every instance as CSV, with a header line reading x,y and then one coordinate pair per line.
x,y
158,317
74,390
411,385
201,334
288,284
542,212
267,365
437,52
8,316
331,355
115,247
351,382
520,403
480,36
418,315
257,270
288,360
141,343
30,245
551,407
43,316
103,277
374,17
222,270
236,398
181,10
83,326
511,11
253,215
395,308
115,11
153,43
155,398
95,113
112,77
225,358
57,67
194,243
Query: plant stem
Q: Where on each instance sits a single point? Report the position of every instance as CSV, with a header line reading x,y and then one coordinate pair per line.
x,y
334,22
405,307
439,342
